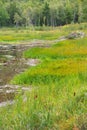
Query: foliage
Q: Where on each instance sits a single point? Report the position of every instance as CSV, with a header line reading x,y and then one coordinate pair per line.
x,y
21,34
58,97
42,12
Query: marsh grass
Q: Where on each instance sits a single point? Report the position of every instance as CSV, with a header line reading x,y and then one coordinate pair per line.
x,y
55,106
21,34
67,48
60,96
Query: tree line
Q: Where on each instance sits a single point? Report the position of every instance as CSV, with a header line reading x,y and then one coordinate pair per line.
x,y
42,12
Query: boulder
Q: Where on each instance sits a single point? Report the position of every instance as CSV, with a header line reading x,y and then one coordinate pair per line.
x,y
74,35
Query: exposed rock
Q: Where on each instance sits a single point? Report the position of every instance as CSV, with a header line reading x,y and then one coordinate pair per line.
x,y
9,57
32,62
8,92
74,35
3,104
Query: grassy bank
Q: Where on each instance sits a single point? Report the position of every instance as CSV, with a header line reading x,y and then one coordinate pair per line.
x,y
58,100
17,35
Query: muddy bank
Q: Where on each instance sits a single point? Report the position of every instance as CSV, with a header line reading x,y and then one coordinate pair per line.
x,y
12,63
7,92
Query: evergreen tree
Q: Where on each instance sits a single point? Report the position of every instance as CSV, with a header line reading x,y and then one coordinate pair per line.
x,y
42,12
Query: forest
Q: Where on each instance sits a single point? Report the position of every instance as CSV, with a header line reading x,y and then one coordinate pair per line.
x,y
42,12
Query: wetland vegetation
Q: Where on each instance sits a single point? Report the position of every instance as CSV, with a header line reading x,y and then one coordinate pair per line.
x,y
43,64
58,82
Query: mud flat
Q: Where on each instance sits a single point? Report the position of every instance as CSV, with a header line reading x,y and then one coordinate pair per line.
x,y
12,63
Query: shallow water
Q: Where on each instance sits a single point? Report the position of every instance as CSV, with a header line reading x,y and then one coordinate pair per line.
x,y
12,63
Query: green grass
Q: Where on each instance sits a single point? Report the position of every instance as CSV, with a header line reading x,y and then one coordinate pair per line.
x,y
65,49
17,35
55,106
58,100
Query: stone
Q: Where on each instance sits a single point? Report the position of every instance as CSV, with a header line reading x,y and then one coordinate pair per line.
x,y
32,62
74,35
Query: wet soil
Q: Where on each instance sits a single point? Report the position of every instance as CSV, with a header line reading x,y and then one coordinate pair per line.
x,y
12,63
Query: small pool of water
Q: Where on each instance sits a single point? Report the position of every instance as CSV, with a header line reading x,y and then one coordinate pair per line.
x,y
12,63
